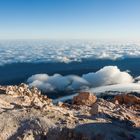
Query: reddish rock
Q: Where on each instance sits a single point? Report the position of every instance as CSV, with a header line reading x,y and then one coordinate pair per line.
x,y
84,98
127,99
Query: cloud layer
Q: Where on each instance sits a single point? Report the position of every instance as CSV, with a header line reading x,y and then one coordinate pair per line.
x,y
63,51
109,75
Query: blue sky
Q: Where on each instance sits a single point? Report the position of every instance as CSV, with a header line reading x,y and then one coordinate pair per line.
x,y
70,19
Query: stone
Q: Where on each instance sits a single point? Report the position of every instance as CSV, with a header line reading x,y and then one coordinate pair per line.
x,y
127,99
4,104
37,103
96,108
84,98
102,106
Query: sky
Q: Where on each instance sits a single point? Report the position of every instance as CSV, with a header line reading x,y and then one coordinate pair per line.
x,y
70,19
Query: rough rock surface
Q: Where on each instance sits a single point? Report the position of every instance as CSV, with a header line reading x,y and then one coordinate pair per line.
x,y
108,109
25,114
127,99
84,98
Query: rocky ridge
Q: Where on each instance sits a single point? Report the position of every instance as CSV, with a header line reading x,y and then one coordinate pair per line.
x,y
26,114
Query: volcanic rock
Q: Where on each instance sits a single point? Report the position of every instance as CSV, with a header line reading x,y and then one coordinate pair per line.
x,y
127,99
108,109
84,98
26,114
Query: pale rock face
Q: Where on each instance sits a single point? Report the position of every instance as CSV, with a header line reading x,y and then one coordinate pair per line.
x,y
4,104
29,96
10,93
36,102
102,107
116,111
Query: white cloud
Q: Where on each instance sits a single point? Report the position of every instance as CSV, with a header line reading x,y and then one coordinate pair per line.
x,y
39,77
42,86
108,75
77,82
63,51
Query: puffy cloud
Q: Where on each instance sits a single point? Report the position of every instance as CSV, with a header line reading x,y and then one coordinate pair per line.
x,y
45,87
57,82
77,82
108,75
39,77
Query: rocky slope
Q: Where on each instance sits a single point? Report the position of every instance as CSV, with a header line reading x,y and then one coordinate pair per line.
x,y
25,114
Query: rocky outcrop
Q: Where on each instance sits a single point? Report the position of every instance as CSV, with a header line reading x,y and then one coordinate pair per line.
x,y
84,98
108,109
28,96
26,114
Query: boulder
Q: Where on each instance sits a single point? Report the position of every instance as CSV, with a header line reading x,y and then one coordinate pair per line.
x,y
84,98
127,99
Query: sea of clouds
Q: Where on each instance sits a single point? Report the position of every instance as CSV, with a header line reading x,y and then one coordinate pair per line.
x,y
109,75
66,51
